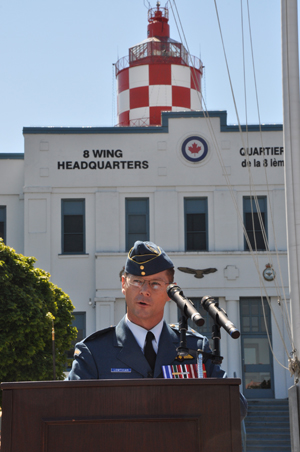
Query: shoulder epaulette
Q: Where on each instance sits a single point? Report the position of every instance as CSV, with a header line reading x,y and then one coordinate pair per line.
x,y
190,331
98,333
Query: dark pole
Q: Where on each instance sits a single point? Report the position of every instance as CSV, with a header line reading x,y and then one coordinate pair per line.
x,y
53,350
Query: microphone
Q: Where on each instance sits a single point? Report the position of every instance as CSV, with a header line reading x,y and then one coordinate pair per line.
x,y
220,316
187,306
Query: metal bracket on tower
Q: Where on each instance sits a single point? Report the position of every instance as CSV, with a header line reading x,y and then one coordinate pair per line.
x,y
92,303
294,366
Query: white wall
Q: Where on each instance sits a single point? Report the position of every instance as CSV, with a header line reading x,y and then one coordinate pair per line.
x,y
11,196
93,280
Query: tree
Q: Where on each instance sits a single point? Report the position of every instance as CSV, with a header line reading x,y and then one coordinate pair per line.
x,y
26,297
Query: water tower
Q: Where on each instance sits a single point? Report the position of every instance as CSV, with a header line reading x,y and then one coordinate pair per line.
x,y
157,75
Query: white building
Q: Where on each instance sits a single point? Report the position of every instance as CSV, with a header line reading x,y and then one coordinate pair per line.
x,y
78,198
81,196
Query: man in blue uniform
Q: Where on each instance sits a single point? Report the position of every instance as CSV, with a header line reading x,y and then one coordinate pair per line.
x,y
142,342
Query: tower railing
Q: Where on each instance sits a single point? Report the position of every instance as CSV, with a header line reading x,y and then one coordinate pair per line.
x,y
138,122
121,64
152,51
153,12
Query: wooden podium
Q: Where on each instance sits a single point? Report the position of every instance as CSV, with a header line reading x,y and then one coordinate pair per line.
x,y
157,415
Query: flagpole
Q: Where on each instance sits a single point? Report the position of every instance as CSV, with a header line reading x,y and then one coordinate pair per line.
x,y
291,139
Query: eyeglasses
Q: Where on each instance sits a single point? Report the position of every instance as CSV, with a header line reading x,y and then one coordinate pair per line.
x,y
155,284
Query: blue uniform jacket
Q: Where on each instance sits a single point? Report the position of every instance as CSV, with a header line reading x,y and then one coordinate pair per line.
x,y
113,353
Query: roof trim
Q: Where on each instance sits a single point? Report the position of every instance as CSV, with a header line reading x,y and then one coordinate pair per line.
x,y
11,156
164,128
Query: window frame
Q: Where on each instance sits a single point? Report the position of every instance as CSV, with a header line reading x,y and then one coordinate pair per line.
x,y
263,207
63,203
4,210
128,243
251,309
203,209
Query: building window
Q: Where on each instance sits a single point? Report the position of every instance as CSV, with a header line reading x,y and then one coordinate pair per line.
x,y
80,322
256,332
137,220
195,213
73,226
3,223
255,223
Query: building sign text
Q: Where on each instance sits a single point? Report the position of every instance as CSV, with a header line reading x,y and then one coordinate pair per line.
x,y
97,159
264,157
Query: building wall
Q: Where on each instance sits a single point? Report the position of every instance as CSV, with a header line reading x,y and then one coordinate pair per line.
x,y
11,196
148,162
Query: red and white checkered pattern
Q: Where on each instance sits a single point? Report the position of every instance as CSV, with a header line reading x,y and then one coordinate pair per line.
x,y
147,90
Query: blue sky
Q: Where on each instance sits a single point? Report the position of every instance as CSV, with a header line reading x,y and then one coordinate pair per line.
x,y
57,59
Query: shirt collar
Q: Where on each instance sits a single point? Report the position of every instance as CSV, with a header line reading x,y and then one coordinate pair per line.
x,y
140,333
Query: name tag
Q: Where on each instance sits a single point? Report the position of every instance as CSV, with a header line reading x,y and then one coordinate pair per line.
x,y
116,369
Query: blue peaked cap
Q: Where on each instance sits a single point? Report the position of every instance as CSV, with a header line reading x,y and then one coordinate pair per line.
x,y
146,258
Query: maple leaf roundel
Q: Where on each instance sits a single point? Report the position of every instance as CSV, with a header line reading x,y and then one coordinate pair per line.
x,y
194,149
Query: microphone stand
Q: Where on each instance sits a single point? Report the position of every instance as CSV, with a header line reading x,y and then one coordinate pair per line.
x,y
216,335
183,351
215,356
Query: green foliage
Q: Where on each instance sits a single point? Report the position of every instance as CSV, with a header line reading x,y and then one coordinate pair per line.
x,y
29,303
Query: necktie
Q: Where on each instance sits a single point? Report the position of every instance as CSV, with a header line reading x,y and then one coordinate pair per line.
x,y
149,352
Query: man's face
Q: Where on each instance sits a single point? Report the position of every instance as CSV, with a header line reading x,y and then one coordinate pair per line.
x,y
145,304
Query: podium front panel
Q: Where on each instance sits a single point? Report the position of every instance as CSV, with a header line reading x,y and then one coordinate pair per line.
x,y
109,415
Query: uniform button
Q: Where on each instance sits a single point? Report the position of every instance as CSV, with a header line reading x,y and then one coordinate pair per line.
x,y
143,273
142,267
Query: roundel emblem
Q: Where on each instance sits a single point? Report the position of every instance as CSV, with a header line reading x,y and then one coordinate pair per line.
x,y
194,149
